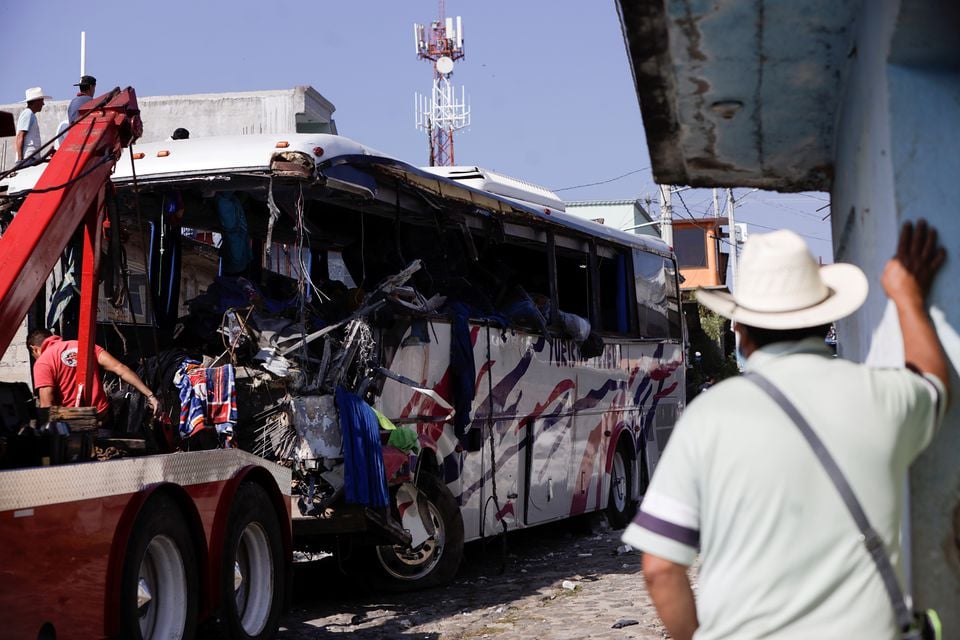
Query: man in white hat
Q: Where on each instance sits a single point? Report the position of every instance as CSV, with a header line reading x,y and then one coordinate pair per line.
x,y
27,142
780,555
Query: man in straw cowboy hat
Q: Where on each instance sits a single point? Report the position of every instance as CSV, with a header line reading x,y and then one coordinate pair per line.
x,y
780,555
27,141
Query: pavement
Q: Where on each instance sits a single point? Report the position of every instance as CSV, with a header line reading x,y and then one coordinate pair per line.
x,y
565,581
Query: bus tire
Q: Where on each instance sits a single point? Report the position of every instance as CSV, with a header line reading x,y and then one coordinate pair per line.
x,y
437,560
620,505
252,570
159,584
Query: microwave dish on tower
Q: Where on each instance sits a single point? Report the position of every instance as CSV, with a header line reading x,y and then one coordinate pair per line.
x,y
445,65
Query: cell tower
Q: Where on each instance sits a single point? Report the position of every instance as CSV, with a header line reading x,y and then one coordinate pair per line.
x,y
441,114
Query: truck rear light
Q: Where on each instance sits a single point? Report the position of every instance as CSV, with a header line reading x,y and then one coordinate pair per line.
x,y
283,144
318,151
163,153
138,155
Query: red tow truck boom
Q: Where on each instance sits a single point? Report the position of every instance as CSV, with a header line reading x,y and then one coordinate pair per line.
x,y
71,190
141,547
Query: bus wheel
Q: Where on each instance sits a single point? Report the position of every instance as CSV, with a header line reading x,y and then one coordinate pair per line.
x,y
620,505
435,561
159,588
252,571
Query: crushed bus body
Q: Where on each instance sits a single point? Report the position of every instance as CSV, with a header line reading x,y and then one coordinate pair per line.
x,y
436,356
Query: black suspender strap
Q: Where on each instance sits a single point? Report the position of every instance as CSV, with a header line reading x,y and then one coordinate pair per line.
x,y
871,539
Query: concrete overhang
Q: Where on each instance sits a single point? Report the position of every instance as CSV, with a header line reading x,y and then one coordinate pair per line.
x,y
739,93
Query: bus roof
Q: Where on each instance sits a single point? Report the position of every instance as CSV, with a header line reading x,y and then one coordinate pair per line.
x,y
199,158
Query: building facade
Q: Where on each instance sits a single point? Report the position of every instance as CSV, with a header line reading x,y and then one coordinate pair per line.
x,y
861,99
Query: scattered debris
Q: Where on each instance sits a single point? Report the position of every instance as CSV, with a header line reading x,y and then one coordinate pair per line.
x,y
570,585
624,622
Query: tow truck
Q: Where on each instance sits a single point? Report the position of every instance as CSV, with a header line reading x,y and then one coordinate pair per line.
x,y
142,547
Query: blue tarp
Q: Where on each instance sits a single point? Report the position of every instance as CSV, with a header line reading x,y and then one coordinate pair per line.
x,y
364,479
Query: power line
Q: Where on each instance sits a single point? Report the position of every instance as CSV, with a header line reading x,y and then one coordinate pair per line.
x,y
807,195
805,235
694,220
593,184
793,210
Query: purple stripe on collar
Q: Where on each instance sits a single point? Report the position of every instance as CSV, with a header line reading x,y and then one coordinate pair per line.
x,y
683,535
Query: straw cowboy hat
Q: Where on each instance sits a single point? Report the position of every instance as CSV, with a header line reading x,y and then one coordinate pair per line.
x,y
781,286
35,93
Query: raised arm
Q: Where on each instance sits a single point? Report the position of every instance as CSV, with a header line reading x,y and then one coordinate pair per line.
x,y
907,279
125,373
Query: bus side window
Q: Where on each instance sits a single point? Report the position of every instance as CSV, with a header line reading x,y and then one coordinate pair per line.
x,y
573,281
613,294
523,288
652,281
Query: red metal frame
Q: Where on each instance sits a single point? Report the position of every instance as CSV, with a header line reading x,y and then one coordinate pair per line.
x,y
63,561
77,178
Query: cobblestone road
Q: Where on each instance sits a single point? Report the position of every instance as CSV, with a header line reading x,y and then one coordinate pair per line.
x,y
529,599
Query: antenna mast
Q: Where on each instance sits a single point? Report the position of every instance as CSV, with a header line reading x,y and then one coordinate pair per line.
x,y
442,113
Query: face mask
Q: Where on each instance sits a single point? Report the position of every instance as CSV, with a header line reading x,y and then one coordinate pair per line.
x,y
741,361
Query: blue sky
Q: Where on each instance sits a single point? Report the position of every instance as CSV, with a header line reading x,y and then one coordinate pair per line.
x,y
549,84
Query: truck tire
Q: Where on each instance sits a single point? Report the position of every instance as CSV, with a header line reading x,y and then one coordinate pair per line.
x,y
159,585
620,505
437,560
252,571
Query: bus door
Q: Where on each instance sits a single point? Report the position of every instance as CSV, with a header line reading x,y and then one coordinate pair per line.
x,y
502,368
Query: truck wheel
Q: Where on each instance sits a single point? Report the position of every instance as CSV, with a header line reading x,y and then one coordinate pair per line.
x,y
434,562
252,573
620,505
159,588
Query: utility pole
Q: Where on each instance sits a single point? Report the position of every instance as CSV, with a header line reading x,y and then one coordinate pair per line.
x,y
666,214
716,203
731,205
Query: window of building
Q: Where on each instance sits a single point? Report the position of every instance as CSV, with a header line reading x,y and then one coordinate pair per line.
x,y
690,245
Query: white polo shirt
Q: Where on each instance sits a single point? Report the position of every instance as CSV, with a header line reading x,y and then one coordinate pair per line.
x,y
780,555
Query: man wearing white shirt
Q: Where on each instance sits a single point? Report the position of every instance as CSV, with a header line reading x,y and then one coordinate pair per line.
x,y
27,142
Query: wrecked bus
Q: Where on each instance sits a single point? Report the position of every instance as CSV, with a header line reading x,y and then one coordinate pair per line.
x,y
439,355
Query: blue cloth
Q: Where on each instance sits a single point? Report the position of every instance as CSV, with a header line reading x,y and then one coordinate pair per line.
x,y
235,246
524,311
364,477
623,319
208,398
463,369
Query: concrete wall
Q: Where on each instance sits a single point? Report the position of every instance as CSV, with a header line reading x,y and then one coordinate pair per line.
x,y
619,214
15,365
300,109
896,160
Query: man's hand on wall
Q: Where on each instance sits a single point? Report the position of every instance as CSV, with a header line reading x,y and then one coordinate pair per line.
x,y
908,276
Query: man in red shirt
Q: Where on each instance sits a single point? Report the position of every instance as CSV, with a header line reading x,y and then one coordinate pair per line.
x,y
55,373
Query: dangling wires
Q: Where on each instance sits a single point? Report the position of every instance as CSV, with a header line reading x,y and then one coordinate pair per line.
x,y
493,463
